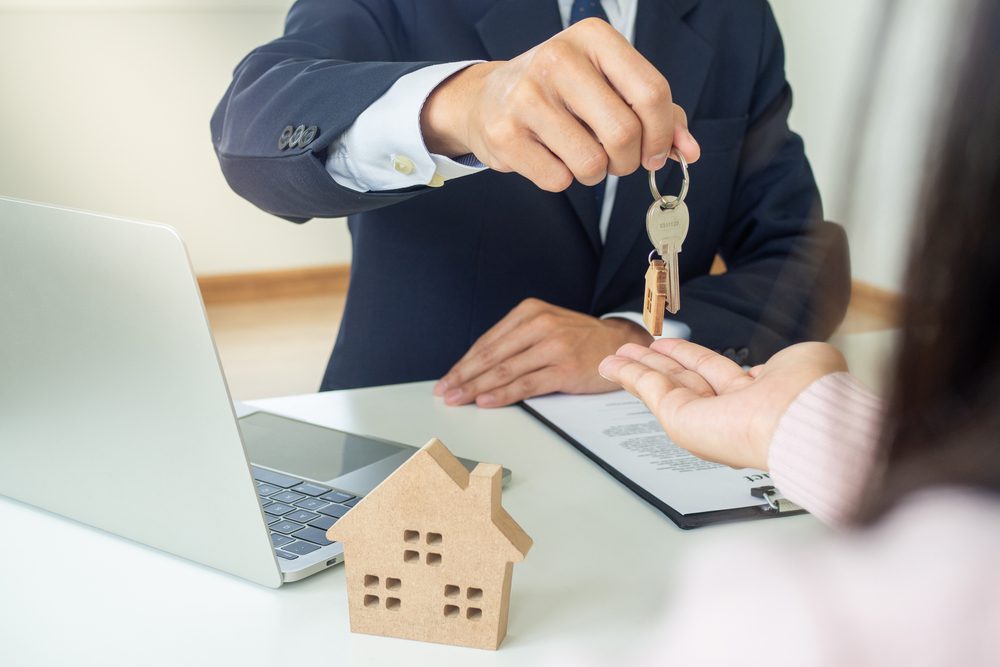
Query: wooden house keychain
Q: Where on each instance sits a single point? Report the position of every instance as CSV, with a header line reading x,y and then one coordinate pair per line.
x,y
667,226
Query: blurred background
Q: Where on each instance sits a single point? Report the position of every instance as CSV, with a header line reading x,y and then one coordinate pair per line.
x,y
105,106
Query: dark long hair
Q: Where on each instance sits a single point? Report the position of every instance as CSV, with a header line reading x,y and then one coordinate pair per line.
x,y
943,413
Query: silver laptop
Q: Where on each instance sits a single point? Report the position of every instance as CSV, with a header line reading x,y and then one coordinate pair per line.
x,y
114,410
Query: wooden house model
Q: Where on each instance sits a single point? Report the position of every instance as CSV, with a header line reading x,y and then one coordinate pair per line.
x,y
430,552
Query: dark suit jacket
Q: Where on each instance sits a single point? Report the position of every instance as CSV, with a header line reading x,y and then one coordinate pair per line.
x,y
436,267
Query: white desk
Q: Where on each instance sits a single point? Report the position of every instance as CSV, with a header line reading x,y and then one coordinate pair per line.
x,y
599,572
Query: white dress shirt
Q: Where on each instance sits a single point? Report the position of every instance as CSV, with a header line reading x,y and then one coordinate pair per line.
x,y
384,149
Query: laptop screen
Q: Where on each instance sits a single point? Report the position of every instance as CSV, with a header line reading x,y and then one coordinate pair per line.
x,y
309,451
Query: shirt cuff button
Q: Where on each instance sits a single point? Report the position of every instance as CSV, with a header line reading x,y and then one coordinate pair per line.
x,y
437,180
402,164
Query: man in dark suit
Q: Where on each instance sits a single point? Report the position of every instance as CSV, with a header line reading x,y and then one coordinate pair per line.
x,y
518,280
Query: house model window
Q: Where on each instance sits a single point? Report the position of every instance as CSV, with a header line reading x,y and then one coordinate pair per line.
x,y
430,552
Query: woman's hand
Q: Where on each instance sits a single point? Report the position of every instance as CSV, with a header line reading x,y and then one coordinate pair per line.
x,y
712,407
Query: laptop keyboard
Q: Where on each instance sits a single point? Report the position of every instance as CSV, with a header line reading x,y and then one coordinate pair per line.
x,y
299,513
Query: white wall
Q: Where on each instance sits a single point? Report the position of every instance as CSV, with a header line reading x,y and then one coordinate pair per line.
x,y
105,106
827,61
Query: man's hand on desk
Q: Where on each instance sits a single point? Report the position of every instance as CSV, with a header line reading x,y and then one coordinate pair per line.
x,y
537,349
712,407
581,105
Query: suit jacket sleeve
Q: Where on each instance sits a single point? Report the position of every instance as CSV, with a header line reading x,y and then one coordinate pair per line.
x,y
334,60
784,282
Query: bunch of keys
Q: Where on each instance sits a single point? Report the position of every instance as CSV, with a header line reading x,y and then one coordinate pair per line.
x,y
667,226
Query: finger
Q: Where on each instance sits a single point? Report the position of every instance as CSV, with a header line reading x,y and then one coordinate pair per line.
x,y
588,95
491,357
629,373
502,374
661,393
563,134
667,366
528,157
643,88
721,373
529,332
529,309
519,314
537,383
689,419
684,141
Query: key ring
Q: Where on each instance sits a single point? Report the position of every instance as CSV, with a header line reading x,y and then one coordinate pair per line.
x,y
664,204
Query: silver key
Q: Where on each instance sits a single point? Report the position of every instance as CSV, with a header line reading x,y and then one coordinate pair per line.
x,y
667,224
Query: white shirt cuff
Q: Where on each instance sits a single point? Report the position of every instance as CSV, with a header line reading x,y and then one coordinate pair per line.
x,y
671,328
449,168
384,149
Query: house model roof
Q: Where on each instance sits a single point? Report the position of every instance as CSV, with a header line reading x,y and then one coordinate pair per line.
x,y
429,484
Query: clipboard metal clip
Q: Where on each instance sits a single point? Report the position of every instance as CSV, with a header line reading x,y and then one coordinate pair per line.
x,y
775,501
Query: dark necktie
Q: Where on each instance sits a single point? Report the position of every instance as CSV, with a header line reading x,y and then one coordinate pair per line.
x,y
585,9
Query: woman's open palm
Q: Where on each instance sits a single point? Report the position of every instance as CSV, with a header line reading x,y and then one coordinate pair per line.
x,y
708,404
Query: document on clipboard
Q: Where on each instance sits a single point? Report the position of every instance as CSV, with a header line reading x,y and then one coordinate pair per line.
x,y
618,433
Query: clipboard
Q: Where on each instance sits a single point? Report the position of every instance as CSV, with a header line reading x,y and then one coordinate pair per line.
x,y
774,505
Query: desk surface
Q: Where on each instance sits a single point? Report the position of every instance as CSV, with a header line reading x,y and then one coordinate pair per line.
x,y
598,575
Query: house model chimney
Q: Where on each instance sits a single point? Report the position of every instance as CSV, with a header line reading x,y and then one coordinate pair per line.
x,y
484,483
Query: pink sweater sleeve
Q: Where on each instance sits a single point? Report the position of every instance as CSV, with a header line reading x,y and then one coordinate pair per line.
x,y
824,447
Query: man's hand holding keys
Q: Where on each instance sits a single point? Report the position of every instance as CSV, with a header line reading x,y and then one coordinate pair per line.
x,y
580,105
